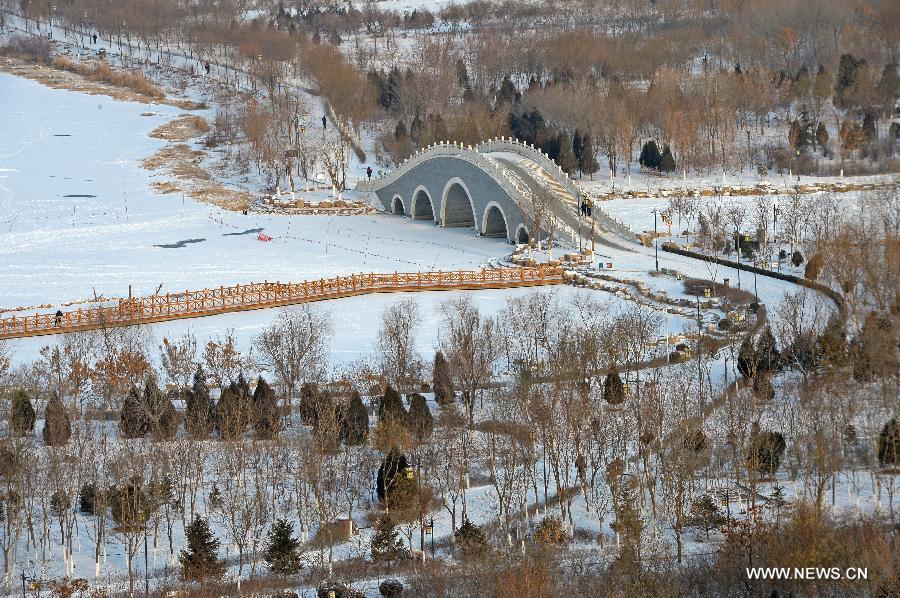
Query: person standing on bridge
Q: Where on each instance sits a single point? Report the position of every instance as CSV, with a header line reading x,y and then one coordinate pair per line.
x,y
369,172
57,320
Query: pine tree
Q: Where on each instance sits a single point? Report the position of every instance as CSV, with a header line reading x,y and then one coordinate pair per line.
x,y
386,542
578,146
200,559
235,411
822,138
21,414
765,452
443,381
133,420
162,418
566,159
419,420
200,410
667,161
266,419
355,423
650,156
469,537
588,164
390,407
613,388
57,424
706,515
797,258
282,553
889,444
417,129
393,465
309,399
507,95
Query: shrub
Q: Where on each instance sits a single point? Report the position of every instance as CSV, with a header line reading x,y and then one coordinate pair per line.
x,y
613,388
266,419
200,559
282,554
889,443
21,414
814,266
550,532
765,452
469,537
386,543
355,421
391,588
419,420
57,425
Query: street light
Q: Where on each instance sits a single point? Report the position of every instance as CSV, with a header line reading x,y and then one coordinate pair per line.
x,y
655,239
429,529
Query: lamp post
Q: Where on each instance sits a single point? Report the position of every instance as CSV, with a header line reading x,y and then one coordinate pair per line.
x,y
429,529
655,239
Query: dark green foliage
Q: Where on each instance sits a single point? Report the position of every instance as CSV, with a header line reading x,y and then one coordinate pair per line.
x,y
21,414
567,160
355,421
588,160
87,499
469,537
419,420
129,505
578,145
822,138
613,388
266,419
282,553
309,399
529,128
889,443
57,425
695,440
393,465
200,412
386,542
200,559
507,95
331,588
849,75
760,357
797,258
802,132
133,420
764,455
650,157
550,532
832,342
235,410
162,418
706,515
390,407
391,588
870,125
443,381
667,161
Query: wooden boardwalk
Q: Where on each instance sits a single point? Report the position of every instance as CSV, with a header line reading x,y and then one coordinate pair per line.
x,y
210,302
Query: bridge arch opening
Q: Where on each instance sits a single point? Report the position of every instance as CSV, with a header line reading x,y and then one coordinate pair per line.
x,y
494,222
522,236
422,206
457,207
397,206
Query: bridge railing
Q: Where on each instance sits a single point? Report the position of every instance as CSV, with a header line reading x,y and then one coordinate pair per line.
x,y
206,302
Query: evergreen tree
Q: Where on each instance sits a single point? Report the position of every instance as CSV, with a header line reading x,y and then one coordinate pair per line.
x,y
266,419
390,407
200,559
400,131
393,465
162,418
849,75
57,425
417,129
889,444
386,542
613,388
507,95
419,420
282,553
443,381
767,354
650,156
355,422
578,146
469,537
235,411
822,138
21,414
797,258
667,161
309,399
706,515
889,86
588,163
566,159
765,452
199,410
133,420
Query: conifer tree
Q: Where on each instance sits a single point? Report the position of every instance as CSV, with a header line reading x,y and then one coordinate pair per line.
x,y
234,411
309,399
393,465
667,161
386,542
21,414
162,418
355,423
566,159
57,424
613,388
578,146
266,420
133,420
650,156
200,410
443,381
419,420
765,452
282,553
469,537
200,559
889,444
588,161
390,407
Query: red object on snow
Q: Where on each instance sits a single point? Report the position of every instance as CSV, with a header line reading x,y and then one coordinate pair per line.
x,y
264,238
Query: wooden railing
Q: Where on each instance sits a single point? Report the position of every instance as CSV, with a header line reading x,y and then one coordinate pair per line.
x,y
207,302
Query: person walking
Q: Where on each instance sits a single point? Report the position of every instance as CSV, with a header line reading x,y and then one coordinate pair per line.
x,y
324,123
369,172
57,320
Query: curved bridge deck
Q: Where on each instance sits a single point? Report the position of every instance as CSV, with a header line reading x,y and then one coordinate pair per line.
x,y
209,302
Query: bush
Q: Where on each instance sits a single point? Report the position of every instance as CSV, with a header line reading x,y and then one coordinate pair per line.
x,y
391,588
21,414
57,426
613,388
386,543
469,537
355,421
419,419
889,444
814,267
550,532
34,49
797,259
765,452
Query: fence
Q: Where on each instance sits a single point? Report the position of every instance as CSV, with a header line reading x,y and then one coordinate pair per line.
x,y
207,302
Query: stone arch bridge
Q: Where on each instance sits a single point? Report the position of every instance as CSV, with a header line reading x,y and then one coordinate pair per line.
x,y
495,187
